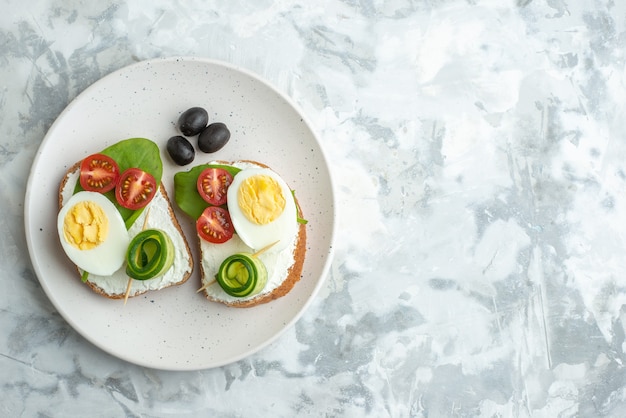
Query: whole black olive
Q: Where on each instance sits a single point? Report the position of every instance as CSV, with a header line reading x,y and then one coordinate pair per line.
x,y
214,137
192,121
181,150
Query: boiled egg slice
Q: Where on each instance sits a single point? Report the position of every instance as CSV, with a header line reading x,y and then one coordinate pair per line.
x,y
262,209
92,233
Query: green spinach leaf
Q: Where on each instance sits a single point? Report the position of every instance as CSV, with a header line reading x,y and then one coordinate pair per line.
x,y
186,189
133,153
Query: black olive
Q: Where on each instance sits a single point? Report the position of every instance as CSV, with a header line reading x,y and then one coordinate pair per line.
x,y
192,121
181,150
214,137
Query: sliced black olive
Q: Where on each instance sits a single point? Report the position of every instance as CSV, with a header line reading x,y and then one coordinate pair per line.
x,y
192,121
181,150
214,137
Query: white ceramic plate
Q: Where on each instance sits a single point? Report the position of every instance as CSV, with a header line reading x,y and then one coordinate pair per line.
x,y
176,328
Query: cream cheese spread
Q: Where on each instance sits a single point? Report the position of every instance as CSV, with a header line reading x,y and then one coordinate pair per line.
x,y
277,263
158,216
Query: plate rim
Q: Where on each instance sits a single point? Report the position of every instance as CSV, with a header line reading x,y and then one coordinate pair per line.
x,y
329,252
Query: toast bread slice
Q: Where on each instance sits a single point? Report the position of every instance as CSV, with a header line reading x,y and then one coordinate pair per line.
x,y
161,203
291,275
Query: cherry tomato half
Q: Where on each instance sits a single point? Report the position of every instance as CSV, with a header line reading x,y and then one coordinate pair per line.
x,y
98,173
135,188
214,225
213,184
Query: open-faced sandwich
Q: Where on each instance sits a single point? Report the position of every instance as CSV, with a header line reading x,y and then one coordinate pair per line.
x,y
117,225
252,238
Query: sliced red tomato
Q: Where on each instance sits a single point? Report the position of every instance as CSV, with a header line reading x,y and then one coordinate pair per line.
x,y
98,173
214,225
213,184
135,188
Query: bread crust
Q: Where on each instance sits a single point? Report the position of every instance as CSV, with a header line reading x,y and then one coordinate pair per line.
x,y
294,271
174,220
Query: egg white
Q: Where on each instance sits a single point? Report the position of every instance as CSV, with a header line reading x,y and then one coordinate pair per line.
x,y
282,229
107,257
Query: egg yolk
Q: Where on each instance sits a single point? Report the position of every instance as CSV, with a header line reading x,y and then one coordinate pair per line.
x,y
85,226
261,199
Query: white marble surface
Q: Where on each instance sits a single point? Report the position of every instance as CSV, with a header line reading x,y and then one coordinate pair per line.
x,y
478,148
